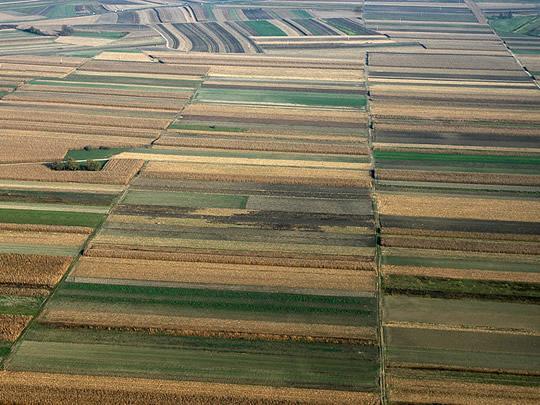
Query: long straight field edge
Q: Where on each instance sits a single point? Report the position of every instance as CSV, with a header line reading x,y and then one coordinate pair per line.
x,y
269,202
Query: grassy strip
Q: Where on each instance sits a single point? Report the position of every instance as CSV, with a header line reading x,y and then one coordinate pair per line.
x,y
458,158
282,97
21,216
200,359
16,305
344,309
188,200
451,288
132,80
459,263
265,28
100,34
93,153
56,197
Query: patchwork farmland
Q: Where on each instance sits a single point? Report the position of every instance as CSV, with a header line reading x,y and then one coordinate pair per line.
x,y
269,202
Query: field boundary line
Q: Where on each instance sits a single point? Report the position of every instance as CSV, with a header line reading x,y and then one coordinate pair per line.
x,y
379,292
71,267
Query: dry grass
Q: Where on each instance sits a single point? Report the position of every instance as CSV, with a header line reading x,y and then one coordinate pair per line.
x,y
24,292
461,274
114,172
284,260
422,391
260,174
248,72
32,270
236,161
506,179
40,147
465,245
38,116
69,389
432,205
265,145
225,274
47,229
493,114
211,327
41,238
11,326
277,114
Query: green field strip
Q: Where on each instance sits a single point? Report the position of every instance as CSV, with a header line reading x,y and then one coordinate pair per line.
x,y
463,349
278,97
340,367
257,155
467,376
214,303
460,263
36,249
463,313
94,153
18,305
59,197
188,200
459,158
100,34
463,288
264,28
44,217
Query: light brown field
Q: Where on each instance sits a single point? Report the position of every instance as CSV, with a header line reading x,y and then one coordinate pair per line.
x,y
462,274
114,172
69,389
41,237
428,205
11,326
32,270
123,56
224,274
424,391
262,174
243,258
235,161
275,113
359,148
437,112
210,327
464,245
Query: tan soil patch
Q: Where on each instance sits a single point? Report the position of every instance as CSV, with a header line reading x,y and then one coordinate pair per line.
x,y
69,389
226,274
428,205
11,326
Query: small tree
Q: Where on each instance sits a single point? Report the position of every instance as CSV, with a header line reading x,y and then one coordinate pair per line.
x,y
71,164
66,31
93,165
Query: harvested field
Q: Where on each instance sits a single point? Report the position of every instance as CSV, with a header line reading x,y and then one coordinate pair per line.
x,y
456,207
114,172
207,273
426,391
64,389
261,174
11,326
32,270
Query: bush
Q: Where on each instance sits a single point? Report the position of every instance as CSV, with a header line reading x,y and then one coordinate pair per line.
x,y
71,164
66,31
93,165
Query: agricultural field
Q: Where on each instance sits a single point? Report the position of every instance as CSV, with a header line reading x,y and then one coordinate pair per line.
x,y
269,202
